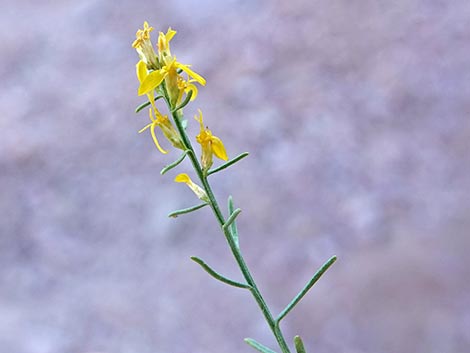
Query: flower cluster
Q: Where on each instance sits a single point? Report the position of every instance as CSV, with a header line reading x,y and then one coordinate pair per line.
x,y
161,75
163,67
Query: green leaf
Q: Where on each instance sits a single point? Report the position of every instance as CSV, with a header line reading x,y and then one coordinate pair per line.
x,y
232,217
183,103
233,227
146,104
175,214
175,163
258,346
217,275
299,345
306,288
228,164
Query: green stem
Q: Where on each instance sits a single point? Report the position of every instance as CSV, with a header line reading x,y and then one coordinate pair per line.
x,y
231,242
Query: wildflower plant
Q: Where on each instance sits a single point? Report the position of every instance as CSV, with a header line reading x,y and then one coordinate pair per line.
x,y
162,77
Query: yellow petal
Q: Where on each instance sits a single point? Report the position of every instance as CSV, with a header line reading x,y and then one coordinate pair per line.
x,y
200,120
200,193
147,27
191,73
193,89
145,128
151,82
218,148
154,137
141,70
183,178
169,34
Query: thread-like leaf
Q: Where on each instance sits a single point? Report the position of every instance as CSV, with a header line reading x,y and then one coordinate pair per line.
x,y
306,288
228,163
175,163
146,104
233,227
184,103
217,275
176,213
258,346
231,218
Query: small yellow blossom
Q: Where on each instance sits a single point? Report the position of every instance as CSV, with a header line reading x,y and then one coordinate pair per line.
x,y
163,67
144,47
164,44
200,193
210,145
155,78
186,86
167,128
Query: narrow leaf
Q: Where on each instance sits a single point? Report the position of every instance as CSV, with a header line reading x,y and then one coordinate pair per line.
x,y
184,103
146,104
218,276
258,346
299,345
233,226
231,218
228,164
175,214
175,163
306,288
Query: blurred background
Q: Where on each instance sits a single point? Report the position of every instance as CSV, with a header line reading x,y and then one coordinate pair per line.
x,y
356,117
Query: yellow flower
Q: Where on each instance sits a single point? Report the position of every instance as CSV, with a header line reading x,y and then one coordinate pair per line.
x,y
142,35
186,86
167,128
164,44
144,48
163,67
155,78
200,193
210,145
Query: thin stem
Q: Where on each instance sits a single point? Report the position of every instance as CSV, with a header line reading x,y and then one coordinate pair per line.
x,y
231,242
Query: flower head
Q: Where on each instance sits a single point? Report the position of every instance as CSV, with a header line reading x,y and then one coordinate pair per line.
x,y
167,128
164,44
200,193
169,72
164,67
210,144
144,47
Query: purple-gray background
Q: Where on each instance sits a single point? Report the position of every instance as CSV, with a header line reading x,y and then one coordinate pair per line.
x,y
356,114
